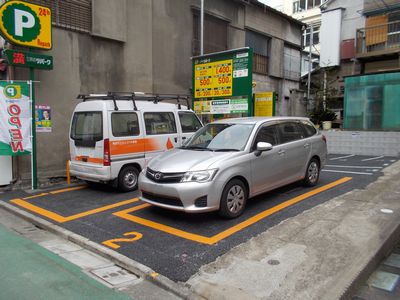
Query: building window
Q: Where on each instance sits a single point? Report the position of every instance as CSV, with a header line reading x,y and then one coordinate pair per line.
x,y
292,63
73,15
307,35
259,44
215,34
301,5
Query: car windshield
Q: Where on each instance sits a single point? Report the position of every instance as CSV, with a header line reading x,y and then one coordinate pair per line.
x,y
220,137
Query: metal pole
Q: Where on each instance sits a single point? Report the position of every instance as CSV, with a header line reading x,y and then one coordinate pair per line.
x,y
310,62
324,94
202,27
33,128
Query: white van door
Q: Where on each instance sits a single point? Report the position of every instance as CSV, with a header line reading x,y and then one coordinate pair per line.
x,y
161,132
189,124
126,140
87,140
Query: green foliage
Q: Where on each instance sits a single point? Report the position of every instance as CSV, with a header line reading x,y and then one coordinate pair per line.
x,y
318,115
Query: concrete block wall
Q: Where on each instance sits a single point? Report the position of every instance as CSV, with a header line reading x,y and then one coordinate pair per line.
x,y
363,142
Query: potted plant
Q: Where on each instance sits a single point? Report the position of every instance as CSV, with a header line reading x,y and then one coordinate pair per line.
x,y
320,116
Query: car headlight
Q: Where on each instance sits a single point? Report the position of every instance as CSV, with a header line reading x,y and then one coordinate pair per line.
x,y
199,176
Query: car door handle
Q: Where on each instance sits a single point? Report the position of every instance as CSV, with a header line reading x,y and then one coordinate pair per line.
x,y
281,152
176,140
306,145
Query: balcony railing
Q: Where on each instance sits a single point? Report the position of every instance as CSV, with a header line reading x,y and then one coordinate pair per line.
x,y
378,39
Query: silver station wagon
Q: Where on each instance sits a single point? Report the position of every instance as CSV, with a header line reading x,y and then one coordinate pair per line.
x,y
229,161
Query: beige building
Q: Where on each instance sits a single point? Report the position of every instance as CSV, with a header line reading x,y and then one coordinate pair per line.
x,y
147,45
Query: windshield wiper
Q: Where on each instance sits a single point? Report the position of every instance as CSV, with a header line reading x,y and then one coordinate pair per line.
x,y
226,150
196,148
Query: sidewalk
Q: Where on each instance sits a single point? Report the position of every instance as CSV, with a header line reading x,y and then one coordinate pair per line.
x,y
29,271
323,253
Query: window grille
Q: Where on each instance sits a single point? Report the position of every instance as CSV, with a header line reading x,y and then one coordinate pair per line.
x,y
259,44
215,34
73,15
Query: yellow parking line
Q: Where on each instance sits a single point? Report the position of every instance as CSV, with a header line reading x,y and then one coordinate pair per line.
x,y
80,187
61,219
36,196
125,214
279,207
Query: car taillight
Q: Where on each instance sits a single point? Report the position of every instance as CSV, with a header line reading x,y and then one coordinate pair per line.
x,y
106,156
324,138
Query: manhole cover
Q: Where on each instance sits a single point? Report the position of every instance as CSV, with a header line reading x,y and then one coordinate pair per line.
x,y
115,275
273,262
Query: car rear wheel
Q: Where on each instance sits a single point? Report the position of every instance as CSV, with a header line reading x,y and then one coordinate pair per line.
x,y
128,179
312,173
233,200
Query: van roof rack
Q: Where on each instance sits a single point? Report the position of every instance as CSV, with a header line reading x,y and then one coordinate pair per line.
x,y
133,96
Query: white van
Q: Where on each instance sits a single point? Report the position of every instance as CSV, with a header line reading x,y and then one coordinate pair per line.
x,y
113,136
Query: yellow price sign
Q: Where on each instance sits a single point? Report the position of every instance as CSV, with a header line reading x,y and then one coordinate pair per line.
x,y
213,79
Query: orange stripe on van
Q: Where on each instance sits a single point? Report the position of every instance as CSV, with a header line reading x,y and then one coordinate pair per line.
x,y
93,160
133,146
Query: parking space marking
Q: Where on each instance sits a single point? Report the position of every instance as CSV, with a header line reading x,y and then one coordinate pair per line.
x,y
372,158
126,214
348,172
61,219
340,157
55,192
353,167
75,188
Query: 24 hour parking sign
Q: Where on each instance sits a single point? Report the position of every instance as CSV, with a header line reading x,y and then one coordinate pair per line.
x,y
26,24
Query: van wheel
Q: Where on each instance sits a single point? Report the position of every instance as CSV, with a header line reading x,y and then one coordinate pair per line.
x,y
233,200
128,179
312,173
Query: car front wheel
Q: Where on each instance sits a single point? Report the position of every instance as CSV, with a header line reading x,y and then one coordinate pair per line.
x,y
312,173
233,200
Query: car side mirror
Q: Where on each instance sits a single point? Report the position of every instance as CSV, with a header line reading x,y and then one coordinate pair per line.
x,y
261,147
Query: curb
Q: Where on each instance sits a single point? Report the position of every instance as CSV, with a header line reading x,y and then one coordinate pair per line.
x,y
119,259
389,241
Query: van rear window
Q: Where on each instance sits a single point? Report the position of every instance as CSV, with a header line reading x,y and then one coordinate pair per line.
x,y
87,127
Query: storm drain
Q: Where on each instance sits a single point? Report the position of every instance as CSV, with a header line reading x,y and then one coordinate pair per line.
x,y
115,276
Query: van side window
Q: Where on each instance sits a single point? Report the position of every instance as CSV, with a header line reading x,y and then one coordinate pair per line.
x,y
159,122
124,124
290,131
308,128
267,134
189,122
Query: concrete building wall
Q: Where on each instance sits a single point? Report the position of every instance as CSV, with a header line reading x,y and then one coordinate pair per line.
x,y
148,49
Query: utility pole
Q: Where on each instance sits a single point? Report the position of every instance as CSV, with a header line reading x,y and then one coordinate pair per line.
x,y
309,61
202,27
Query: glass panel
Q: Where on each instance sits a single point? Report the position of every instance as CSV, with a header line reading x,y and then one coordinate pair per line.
x,y
159,123
124,124
267,134
87,126
371,102
189,122
289,131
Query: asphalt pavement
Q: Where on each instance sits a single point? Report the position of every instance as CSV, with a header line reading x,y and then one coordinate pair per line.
x,y
324,251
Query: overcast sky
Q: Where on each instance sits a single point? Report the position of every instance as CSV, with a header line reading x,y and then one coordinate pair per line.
x,y
271,3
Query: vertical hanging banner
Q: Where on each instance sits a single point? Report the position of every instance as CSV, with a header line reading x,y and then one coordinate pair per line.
x,y
15,118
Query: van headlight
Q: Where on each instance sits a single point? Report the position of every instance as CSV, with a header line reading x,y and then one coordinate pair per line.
x,y
199,176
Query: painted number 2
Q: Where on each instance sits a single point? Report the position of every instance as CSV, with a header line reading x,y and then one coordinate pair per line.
x,y
113,243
